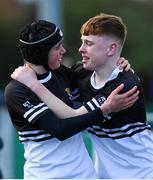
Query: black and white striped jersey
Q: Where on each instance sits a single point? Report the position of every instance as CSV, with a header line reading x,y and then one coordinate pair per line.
x,y
46,156
123,144
25,108
132,118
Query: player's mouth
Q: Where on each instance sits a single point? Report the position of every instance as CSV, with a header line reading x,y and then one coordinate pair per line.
x,y
60,59
85,59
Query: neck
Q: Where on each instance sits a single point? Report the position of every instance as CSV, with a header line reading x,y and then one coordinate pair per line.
x,y
103,73
39,69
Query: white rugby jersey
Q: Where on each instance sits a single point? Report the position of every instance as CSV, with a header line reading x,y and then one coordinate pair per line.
x,y
124,142
54,159
124,158
46,156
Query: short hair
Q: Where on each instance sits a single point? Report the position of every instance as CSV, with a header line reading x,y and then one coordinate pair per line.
x,y
105,24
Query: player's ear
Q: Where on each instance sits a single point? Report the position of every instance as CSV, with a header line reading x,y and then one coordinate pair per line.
x,y
112,49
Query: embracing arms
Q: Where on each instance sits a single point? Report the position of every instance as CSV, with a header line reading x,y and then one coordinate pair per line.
x,y
115,102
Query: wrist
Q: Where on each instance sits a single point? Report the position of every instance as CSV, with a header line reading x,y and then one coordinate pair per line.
x,y
105,109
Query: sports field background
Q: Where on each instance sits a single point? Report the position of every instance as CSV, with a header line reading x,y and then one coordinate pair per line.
x,y
69,15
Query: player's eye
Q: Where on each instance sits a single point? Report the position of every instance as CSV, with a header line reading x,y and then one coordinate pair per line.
x,y
89,43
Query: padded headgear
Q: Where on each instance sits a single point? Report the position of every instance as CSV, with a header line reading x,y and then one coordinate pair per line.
x,y
36,39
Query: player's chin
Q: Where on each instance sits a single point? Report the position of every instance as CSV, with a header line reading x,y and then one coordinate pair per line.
x,y
88,67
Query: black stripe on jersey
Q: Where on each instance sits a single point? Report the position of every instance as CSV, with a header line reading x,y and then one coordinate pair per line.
x,y
35,111
117,137
36,135
35,140
118,130
31,133
118,133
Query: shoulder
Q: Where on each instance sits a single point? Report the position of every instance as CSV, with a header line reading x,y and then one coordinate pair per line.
x,y
78,69
14,90
62,69
129,80
15,86
78,66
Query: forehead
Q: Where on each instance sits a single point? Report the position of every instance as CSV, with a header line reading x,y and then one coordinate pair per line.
x,y
90,37
95,38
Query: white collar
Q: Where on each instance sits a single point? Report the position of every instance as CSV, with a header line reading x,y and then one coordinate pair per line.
x,y
47,78
113,75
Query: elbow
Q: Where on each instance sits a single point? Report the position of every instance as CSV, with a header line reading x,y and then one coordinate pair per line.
x,y
62,138
61,131
61,134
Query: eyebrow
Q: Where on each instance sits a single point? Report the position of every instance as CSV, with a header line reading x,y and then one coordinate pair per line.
x,y
86,40
90,41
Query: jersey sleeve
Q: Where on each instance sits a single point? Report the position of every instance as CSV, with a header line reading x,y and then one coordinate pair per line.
x,y
101,97
95,103
26,109
23,104
65,128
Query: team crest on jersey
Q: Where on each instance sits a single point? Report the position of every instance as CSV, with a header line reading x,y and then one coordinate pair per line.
x,y
27,104
68,91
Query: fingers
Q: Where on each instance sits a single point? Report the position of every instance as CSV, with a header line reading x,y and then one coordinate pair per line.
x,y
124,64
134,96
14,72
12,76
131,99
132,70
17,71
21,69
120,61
130,92
127,67
130,103
118,89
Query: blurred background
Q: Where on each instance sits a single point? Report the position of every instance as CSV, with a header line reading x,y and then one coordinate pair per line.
x,y
69,15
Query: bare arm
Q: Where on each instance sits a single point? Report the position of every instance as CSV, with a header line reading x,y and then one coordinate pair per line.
x,y
54,103
114,103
